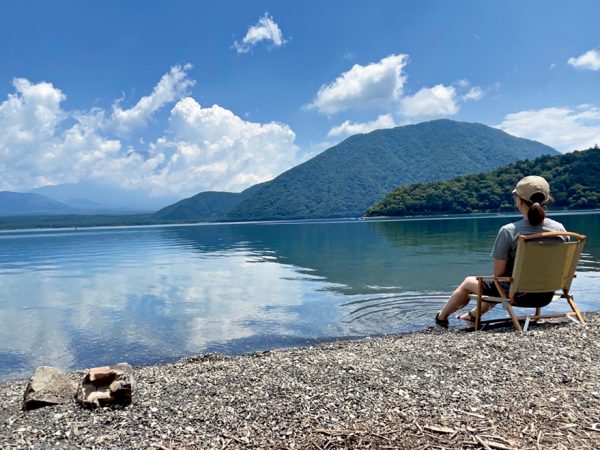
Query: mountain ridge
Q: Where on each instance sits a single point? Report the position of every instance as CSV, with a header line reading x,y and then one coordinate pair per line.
x,y
206,206
344,180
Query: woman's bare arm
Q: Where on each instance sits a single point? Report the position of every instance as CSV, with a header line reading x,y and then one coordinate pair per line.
x,y
500,267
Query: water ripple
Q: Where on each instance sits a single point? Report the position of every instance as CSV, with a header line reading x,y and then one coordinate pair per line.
x,y
400,304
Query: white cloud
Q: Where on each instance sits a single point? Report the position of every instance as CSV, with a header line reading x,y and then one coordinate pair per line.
x,y
438,101
381,85
474,94
265,30
202,148
171,87
348,128
30,114
590,60
565,129
38,148
212,148
375,84
29,119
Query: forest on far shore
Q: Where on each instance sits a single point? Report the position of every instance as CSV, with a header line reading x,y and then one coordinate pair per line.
x,y
574,183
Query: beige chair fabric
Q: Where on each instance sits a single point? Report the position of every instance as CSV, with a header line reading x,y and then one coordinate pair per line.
x,y
544,262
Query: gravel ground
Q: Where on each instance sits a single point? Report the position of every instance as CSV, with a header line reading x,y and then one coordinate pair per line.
x,y
432,389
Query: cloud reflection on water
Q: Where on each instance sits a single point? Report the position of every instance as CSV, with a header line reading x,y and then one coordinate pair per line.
x,y
168,305
149,295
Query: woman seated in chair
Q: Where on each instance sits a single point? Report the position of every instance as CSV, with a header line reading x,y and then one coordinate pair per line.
x,y
531,195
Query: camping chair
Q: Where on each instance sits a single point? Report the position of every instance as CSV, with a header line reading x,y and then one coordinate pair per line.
x,y
543,263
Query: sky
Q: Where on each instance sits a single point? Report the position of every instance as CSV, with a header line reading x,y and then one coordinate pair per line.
x,y
174,98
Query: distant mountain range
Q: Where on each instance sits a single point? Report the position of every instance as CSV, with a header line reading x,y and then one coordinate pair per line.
x,y
81,199
346,179
94,198
31,204
20,204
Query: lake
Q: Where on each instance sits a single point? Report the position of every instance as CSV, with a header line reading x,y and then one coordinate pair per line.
x,y
89,297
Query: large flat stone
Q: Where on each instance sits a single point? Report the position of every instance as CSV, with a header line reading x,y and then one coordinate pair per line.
x,y
48,386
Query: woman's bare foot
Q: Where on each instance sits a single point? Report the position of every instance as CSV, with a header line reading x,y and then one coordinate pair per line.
x,y
467,317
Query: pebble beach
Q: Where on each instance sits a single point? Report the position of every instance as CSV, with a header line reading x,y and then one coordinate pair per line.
x,y
437,388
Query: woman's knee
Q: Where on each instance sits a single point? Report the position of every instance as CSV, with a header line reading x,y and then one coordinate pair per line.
x,y
469,285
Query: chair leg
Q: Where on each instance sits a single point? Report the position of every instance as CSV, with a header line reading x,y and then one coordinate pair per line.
x,y
538,312
511,313
479,304
573,306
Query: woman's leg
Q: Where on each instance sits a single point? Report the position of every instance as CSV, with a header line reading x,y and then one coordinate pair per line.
x,y
459,298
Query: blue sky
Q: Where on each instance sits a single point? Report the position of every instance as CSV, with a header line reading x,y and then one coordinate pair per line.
x,y
179,97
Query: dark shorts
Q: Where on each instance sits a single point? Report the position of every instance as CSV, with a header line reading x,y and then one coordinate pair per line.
x,y
531,300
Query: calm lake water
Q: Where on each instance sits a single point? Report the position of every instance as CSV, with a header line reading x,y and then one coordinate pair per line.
x,y
77,299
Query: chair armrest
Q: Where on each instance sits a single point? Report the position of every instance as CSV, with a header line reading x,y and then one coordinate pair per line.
x,y
496,281
492,278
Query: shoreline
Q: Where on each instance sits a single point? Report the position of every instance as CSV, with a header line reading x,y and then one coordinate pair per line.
x,y
430,388
480,215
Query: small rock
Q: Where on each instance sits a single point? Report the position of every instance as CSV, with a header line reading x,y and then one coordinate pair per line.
x,y
48,386
107,386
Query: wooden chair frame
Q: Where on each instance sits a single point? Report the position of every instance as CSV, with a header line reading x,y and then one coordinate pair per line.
x,y
526,280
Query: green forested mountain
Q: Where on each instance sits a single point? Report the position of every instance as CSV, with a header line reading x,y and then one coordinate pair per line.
x,y
574,182
346,179
205,206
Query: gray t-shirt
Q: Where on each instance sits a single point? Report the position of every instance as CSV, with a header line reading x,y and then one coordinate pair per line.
x,y
505,246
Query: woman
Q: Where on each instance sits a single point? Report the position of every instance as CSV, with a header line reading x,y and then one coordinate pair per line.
x,y
531,195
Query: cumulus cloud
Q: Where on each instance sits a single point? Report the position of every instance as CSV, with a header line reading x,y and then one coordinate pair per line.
x,y
438,101
37,148
201,148
565,129
265,30
375,84
348,128
590,60
29,119
381,85
214,148
171,87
